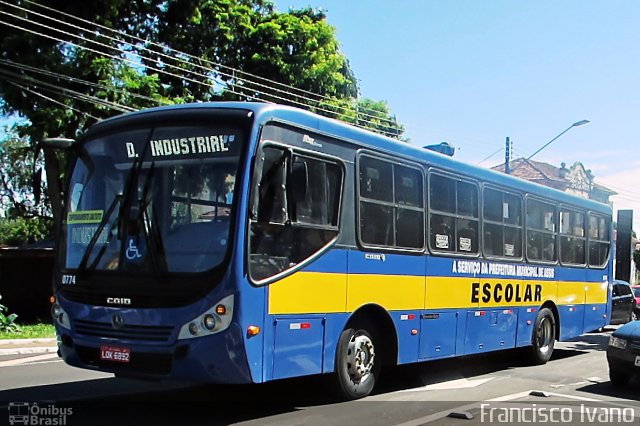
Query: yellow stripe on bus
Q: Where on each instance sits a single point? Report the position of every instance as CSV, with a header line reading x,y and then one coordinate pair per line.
x,y
448,292
597,292
308,292
317,292
393,292
571,293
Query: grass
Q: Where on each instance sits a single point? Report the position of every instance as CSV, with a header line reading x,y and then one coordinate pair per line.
x,y
31,331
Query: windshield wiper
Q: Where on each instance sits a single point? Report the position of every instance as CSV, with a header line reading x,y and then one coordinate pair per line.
x,y
82,267
124,200
150,221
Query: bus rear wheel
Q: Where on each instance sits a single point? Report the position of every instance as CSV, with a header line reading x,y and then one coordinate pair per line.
x,y
544,337
357,362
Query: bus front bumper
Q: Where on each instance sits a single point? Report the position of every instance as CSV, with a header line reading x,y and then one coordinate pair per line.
x,y
219,358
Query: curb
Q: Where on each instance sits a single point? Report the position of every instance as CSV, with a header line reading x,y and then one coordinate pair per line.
x,y
4,342
27,346
29,351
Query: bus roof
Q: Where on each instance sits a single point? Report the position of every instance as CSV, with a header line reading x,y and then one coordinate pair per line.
x,y
368,139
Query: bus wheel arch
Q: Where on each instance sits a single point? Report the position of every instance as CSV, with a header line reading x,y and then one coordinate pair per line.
x,y
546,330
382,322
367,342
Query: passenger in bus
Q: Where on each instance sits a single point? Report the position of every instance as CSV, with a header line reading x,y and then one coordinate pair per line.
x,y
549,252
226,196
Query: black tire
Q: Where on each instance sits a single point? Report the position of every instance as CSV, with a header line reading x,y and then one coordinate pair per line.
x,y
543,337
619,378
357,342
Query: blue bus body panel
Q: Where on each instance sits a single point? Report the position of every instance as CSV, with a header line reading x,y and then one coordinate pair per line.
x,y
407,325
490,330
298,346
438,334
388,264
526,320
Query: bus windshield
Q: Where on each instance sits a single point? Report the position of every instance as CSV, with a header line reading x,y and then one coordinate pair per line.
x,y
152,200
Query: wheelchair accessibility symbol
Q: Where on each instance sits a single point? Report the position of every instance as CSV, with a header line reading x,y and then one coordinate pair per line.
x,y
133,252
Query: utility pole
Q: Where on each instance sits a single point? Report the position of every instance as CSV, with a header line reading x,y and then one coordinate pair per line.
x,y
507,156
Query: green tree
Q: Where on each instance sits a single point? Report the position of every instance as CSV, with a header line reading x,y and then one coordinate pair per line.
x,y
38,49
22,190
250,38
184,50
18,231
23,193
297,48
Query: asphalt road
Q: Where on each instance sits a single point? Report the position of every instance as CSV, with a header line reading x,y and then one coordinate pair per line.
x,y
574,389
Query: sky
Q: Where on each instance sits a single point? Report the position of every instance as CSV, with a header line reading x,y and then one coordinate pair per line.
x,y
473,72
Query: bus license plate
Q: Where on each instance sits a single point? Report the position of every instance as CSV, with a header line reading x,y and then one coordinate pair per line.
x,y
111,353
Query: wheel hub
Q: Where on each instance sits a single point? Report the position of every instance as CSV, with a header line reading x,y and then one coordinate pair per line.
x,y
360,357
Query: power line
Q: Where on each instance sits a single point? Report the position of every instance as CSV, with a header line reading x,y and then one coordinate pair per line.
x,y
177,58
53,100
68,92
216,64
490,155
154,68
233,73
80,81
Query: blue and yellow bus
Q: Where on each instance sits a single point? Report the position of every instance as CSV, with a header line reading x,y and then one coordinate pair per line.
x,y
248,242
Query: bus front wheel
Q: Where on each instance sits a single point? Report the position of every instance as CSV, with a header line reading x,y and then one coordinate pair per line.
x,y
544,336
357,362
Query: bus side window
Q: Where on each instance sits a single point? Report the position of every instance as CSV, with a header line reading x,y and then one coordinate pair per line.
x,y
454,215
295,210
271,203
391,201
541,231
598,240
572,237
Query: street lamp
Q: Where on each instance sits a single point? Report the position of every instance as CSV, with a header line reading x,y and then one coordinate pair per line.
x,y
576,124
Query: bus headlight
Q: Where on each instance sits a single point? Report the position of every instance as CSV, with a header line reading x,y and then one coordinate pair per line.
x,y
60,316
214,320
209,322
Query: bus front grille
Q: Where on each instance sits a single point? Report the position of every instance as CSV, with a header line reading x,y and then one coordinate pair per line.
x,y
148,333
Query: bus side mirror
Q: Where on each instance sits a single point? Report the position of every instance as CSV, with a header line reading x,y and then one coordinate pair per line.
x,y
298,182
52,169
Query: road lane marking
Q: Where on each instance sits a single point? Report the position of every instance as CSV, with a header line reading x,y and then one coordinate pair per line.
x,y
578,398
509,397
451,384
27,360
474,405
